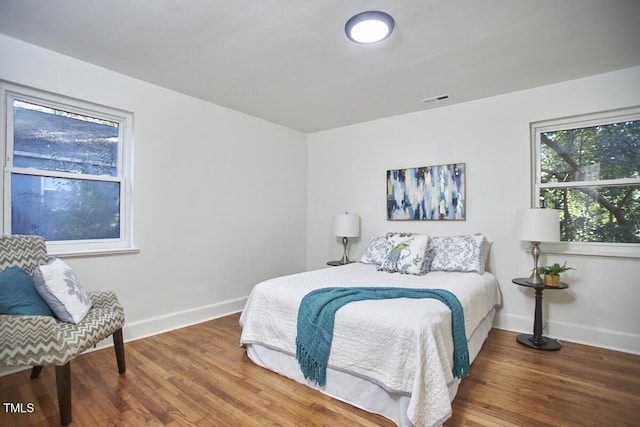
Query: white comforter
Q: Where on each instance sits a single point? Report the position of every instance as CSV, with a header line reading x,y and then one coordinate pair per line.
x,y
404,345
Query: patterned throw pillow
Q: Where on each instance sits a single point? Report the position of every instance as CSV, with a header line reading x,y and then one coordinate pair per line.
x,y
61,289
407,253
376,251
465,253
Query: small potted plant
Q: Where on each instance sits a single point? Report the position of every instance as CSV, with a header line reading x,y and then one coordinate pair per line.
x,y
552,273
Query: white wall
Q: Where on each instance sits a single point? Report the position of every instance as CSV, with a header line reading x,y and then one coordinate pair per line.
x,y
219,197
347,171
217,191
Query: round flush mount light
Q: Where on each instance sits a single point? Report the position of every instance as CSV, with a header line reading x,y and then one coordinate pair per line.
x,y
369,27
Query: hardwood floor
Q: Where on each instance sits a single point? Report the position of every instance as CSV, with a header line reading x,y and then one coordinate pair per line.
x,y
201,376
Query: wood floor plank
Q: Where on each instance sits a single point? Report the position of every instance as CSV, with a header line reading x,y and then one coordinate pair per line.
x,y
200,376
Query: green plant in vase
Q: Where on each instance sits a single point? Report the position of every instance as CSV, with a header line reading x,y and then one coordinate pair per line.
x,y
552,273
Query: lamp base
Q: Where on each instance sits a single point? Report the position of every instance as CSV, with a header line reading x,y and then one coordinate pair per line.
x,y
539,343
535,278
345,256
339,262
335,263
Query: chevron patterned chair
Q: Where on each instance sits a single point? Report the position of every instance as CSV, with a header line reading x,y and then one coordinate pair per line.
x,y
44,340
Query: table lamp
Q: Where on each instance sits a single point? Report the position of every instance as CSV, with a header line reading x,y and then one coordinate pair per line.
x,y
346,225
535,226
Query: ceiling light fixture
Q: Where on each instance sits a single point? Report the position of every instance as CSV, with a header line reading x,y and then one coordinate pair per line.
x,y
369,27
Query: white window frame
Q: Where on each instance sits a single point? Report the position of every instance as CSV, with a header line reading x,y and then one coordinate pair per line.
x,y
10,92
625,250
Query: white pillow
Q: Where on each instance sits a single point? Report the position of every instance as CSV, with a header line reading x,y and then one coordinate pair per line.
x,y
58,285
407,254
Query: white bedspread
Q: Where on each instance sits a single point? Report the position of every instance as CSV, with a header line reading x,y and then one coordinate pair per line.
x,y
404,345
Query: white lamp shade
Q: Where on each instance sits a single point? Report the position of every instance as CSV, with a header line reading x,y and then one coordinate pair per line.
x,y
346,225
538,225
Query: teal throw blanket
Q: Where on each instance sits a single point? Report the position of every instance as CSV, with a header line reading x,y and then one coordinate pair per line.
x,y
316,317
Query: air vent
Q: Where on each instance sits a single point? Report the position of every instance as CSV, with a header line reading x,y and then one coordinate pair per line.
x,y
435,99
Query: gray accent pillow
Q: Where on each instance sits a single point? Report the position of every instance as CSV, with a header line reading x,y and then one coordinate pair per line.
x,y
58,285
464,253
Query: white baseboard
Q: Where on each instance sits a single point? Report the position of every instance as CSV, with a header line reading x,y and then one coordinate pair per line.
x,y
580,334
157,325
181,319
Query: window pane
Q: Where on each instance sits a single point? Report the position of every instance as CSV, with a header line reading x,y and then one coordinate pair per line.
x,y
65,209
589,154
56,140
596,214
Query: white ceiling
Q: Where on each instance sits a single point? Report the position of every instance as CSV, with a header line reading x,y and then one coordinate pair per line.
x,y
289,61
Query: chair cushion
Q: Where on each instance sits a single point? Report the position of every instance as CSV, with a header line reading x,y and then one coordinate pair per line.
x,y
61,289
18,294
105,317
34,340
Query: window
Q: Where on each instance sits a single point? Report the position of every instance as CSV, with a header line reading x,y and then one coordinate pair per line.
x,y
66,171
588,168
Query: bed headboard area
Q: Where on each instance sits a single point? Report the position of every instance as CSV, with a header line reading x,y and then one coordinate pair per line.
x,y
414,253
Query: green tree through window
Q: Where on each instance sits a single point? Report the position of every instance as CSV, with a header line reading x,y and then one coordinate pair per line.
x,y
591,174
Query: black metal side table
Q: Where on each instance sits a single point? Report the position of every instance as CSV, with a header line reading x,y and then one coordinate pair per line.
x,y
536,340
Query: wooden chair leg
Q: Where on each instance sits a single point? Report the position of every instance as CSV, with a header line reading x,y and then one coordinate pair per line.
x,y
118,344
35,372
63,384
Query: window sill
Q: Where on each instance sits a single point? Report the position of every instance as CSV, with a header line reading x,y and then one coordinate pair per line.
x,y
92,253
619,250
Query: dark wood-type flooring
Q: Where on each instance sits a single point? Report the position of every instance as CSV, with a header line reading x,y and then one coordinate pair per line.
x,y
200,376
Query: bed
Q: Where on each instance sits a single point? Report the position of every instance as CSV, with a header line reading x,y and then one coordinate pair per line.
x,y
393,357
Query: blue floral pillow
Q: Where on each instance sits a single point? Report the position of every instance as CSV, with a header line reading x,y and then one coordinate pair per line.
x,y
61,289
407,254
465,253
376,250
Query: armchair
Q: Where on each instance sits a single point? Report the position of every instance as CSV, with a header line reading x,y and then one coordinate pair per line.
x,y
44,340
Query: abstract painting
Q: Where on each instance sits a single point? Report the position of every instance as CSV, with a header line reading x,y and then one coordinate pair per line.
x,y
427,193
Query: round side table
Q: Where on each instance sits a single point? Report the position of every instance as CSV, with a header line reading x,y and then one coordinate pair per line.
x,y
536,340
